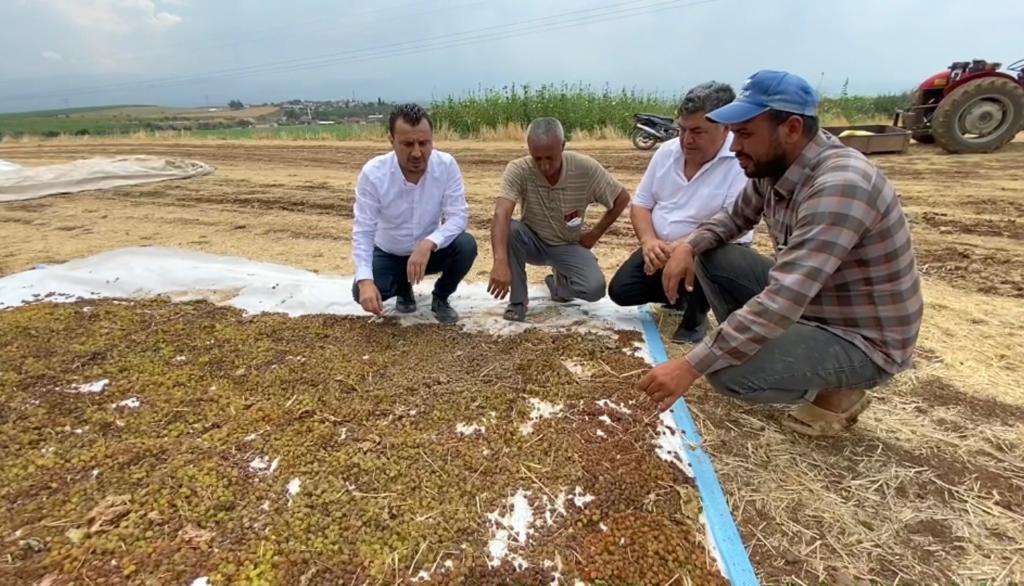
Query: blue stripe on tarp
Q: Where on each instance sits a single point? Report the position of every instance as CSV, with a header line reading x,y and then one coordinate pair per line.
x,y
723,530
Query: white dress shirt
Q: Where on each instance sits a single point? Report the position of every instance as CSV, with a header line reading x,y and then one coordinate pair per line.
x,y
679,205
395,215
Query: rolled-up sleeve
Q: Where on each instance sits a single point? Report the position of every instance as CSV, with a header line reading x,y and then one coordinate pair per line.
x,y
454,209
364,229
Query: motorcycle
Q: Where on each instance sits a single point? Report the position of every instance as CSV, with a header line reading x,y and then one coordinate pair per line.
x,y
651,129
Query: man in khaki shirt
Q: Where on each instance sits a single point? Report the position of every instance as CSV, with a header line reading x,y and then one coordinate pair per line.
x,y
553,189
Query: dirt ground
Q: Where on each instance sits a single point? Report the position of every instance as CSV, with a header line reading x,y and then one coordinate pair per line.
x,y
927,489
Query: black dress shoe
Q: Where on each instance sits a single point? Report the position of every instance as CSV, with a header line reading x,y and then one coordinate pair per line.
x,y
406,302
443,311
693,335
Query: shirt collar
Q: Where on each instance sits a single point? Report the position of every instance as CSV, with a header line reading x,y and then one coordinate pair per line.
x,y
726,150
801,167
397,170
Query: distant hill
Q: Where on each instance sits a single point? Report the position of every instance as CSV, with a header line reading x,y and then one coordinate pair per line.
x,y
130,118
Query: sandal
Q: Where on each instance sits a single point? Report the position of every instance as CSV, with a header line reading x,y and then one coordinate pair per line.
x,y
515,312
809,419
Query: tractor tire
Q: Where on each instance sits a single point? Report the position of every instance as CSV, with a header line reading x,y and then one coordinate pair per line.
x,y
923,137
643,140
948,127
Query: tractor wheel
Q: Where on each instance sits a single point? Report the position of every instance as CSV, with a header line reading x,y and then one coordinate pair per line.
x,y
923,137
980,116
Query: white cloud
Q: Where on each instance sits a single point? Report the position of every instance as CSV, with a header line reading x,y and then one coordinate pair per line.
x,y
175,2
166,19
119,16
52,56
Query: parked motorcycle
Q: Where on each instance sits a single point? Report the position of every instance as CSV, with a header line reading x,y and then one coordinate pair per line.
x,y
651,129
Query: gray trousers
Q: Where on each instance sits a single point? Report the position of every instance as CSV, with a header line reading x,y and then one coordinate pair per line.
x,y
578,275
796,365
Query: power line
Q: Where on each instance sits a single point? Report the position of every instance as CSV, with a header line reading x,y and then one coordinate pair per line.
x,y
330,58
549,23
293,28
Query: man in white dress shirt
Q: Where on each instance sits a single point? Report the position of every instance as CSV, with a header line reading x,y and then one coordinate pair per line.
x,y
687,182
410,221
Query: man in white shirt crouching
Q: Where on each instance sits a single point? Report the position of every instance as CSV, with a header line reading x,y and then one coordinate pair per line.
x,y
687,182
410,221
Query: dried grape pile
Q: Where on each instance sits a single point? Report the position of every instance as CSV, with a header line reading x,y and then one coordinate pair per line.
x,y
160,443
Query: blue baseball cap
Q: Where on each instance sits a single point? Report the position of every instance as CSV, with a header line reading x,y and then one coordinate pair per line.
x,y
768,90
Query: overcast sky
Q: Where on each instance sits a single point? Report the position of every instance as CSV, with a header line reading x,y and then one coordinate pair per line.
x,y
194,52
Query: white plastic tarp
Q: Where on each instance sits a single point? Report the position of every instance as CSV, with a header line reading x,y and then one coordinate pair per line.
x,y
257,287
18,183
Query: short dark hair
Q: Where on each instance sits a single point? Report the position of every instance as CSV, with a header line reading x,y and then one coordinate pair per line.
x,y
706,97
411,114
811,124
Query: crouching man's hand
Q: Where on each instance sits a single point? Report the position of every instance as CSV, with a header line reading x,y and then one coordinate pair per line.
x,y
669,381
369,297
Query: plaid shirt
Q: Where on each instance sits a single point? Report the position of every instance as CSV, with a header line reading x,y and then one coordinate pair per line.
x,y
844,260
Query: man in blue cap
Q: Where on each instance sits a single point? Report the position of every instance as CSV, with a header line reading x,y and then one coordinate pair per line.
x,y
839,308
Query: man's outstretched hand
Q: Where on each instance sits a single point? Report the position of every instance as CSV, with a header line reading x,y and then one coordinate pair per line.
x,y
669,381
501,280
369,297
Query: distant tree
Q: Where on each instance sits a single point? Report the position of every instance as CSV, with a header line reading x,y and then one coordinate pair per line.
x,y
236,105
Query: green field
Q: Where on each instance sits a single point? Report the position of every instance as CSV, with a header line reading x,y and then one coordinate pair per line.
x,y
578,107
491,113
122,119
71,121
68,112
582,108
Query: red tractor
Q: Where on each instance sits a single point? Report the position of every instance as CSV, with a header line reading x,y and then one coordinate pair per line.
x,y
972,107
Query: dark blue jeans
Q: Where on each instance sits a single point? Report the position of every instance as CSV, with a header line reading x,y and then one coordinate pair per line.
x,y
632,286
796,365
452,261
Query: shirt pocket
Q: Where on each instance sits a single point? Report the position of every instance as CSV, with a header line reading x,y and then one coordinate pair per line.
x,y
572,219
